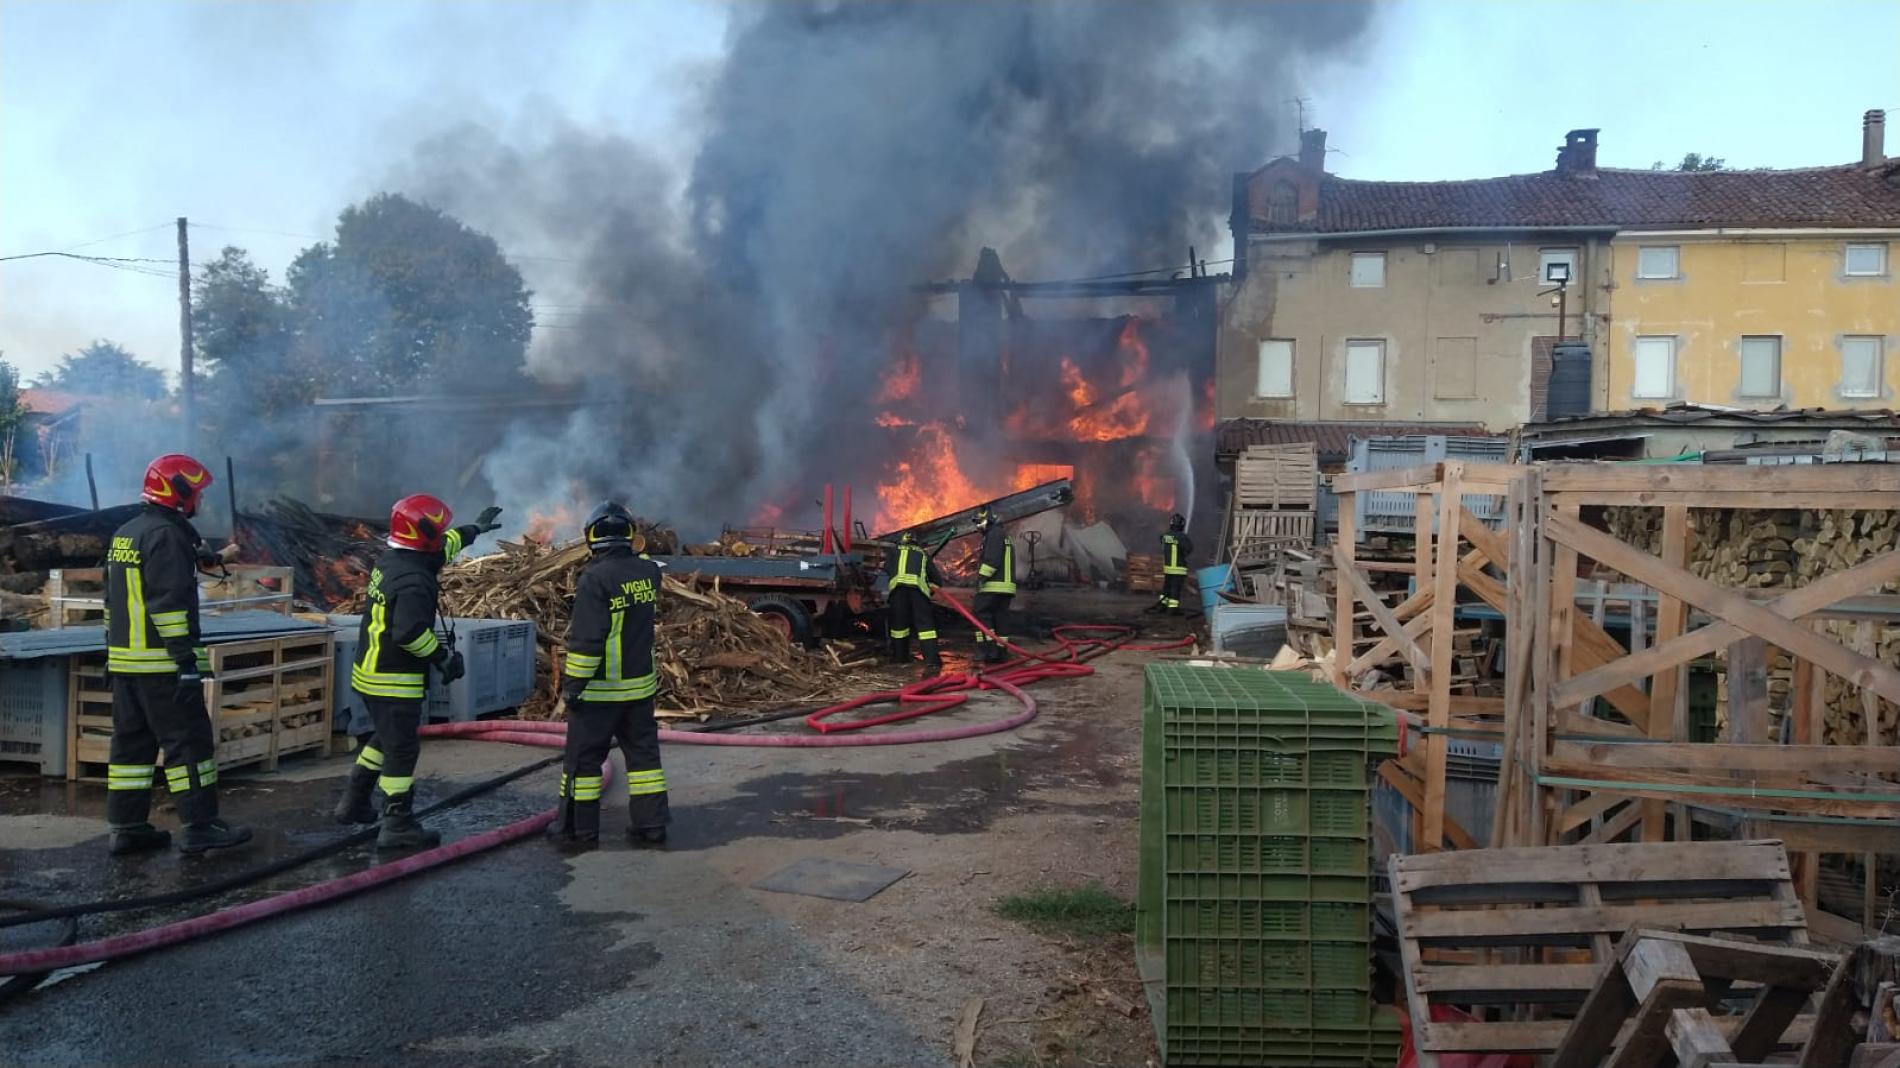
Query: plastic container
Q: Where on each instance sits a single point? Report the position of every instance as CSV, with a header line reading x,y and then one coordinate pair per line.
x,y
498,658
33,713
1212,580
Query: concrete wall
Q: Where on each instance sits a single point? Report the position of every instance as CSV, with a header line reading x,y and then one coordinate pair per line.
x,y
1731,286
1458,333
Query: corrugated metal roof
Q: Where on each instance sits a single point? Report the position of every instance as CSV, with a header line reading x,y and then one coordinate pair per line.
x,y
232,626
1332,440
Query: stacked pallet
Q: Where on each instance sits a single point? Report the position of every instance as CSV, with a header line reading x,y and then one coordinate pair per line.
x,y
77,596
1255,910
268,698
1277,476
1143,573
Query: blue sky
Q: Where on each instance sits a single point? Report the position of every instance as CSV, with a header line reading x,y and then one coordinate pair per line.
x,y
260,121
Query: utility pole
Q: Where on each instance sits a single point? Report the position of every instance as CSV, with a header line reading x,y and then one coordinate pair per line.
x,y
186,387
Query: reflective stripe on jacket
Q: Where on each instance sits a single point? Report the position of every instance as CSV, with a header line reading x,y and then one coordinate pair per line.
x,y
998,567
152,595
1174,551
910,568
610,635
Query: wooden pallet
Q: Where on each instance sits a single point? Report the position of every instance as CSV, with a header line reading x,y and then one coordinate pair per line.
x,y
76,595
1524,934
1143,573
1658,992
268,698
1277,476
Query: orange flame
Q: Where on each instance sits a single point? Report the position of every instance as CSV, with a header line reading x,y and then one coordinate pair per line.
x,y
768,515
1134,352
927,485
1081,394
1124,417
1031,475
892,419
1156,490
901,380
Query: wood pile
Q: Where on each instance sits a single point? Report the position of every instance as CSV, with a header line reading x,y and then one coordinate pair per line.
x,y
330,556
712,652
1783,549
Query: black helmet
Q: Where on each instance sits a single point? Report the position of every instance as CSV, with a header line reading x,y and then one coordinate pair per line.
x,y
1177,522
611,525
908,537
984,517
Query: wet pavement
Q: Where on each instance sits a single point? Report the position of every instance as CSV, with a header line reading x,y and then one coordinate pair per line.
x,y
521,954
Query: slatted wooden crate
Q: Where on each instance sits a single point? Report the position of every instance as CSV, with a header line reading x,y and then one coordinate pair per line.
x,y
76,595
1143,572
1277,476
1522,935
268,698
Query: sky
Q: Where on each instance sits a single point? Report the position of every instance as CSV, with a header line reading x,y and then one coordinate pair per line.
x,y
261,121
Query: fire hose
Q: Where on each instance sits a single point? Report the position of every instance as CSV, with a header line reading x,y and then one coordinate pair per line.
x,y
925,697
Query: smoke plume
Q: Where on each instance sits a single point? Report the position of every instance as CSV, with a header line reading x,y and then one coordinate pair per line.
x,y
726,316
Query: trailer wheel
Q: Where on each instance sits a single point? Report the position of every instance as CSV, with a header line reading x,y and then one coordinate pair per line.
x,y
788,614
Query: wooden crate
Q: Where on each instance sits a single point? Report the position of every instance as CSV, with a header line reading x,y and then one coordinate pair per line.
x,y
268,698
76,595
1277,476
1143,573
1525,934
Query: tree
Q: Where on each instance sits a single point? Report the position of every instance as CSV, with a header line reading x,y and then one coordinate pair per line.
x,y
105,369
12,418
408,298
243,335
1695,161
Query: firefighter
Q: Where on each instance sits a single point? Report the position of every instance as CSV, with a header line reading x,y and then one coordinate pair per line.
x,y
996,586
1176,546
396,648
910,574
608,683
158,669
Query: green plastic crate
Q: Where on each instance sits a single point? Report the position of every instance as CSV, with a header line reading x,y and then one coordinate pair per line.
x,y
1341,965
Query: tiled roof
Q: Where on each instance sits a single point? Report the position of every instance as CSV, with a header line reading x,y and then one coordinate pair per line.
x,y
1332,441
1821,197
1863,420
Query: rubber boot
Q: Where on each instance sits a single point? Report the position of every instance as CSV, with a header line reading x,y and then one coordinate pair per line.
x,y
400,829
212,834
139,838
354,806
647,817
646,837
581,827
933,663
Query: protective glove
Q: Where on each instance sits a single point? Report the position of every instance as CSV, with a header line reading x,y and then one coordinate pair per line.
x,y
571,690
452,667
190,691
485,522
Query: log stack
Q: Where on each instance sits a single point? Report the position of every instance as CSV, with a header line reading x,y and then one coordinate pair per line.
x,y
1784,549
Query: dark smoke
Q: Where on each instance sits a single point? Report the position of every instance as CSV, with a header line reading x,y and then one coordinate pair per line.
x,y
728,316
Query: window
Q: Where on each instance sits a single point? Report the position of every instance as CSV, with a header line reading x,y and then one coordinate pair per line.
x,y
1861,371
1552,257
1455,368
1368,270
1276,369
1656,261
1866,260
1761,367
1365,372
1283,204
1655,368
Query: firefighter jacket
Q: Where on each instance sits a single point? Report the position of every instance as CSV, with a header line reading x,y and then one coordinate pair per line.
x,y
1174,553
152,596
397,641
610,635
911,566
996,571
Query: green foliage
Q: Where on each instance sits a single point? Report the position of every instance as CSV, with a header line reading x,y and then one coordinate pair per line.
x,y
1083,911
105,369
242,331
407,299
1694,161
12,406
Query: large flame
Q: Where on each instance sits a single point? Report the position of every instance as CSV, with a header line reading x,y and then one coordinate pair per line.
x,y
901,379
1133,352
928,484
1156,489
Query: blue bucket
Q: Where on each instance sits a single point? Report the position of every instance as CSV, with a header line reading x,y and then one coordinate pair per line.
x,y
1212,580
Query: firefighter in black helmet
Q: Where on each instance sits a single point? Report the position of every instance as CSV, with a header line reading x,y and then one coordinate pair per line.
x,y
996,586
910,575
608,684
1176,546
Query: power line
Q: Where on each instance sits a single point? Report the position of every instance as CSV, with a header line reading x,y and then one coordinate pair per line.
x,y
87,259
115,237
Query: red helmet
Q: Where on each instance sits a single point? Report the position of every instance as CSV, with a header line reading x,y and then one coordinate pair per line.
x,y
419,522
176,481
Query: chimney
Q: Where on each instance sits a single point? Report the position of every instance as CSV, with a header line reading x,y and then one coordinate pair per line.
x,y
1313,149
1873,138
1578,156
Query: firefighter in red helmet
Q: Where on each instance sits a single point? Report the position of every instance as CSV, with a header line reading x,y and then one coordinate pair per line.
x,y
396,647
158,665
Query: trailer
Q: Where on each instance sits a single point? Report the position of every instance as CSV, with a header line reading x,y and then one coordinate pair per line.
x,y
807,597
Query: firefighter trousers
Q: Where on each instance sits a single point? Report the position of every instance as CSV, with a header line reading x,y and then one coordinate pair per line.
x,y
1171,591
593,728
392,747
149,712
910,612
992,610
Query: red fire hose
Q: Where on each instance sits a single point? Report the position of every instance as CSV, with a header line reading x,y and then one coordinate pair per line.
x,y
930,695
